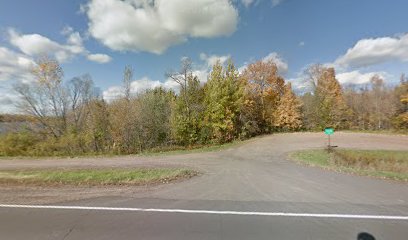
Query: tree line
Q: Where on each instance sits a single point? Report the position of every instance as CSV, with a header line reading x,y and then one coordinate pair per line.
x,y
70,118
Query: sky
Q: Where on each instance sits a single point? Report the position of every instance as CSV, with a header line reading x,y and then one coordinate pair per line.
x,y
100,37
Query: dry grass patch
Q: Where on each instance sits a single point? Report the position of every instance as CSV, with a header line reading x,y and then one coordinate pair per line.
x,y
95,177
378,163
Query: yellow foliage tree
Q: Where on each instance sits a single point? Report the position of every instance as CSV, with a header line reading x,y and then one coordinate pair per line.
x,y
401,120
263,88
332,110
288,115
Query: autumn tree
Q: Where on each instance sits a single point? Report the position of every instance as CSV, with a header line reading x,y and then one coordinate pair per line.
x,y
122,116
310,106
263,88
382,104
308,110
288,115
329,106
46,97
358,99
223,98
401,91
98,127
154,118
374,104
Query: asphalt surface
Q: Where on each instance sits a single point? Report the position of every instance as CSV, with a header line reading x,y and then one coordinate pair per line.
x,y
253,177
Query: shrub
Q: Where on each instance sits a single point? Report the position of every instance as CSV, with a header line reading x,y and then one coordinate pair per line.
x,y
17,144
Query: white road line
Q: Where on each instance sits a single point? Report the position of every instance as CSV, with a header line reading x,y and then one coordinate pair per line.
x,y
272,214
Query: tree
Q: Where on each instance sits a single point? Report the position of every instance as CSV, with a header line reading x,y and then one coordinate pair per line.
x,y
223,98
313,74
127,116
187,115
154,118
122,116
188,107
127,82
46,98
98,127
382,104
262,90
288,114
373,104
80,92
330,109
183,79
401,119
358,100
122,112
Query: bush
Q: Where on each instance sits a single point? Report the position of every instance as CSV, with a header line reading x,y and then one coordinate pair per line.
x,y
401,121
31,144
17,144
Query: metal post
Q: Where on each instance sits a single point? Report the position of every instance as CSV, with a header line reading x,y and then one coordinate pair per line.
x,y
329,143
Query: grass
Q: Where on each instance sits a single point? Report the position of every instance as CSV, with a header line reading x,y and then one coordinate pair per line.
x,y
193,149
171,150
141,176
376,163
385,132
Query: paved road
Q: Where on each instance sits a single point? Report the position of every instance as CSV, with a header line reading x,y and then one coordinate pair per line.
x,y
251,178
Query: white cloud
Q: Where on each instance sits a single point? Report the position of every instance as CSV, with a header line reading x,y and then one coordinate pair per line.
x,y
34,45
301,44
99,58
373,51
276,58
14,66
138,86
299,85
113,93
203,70
154,26
8,101
211,60
247,3
356,77
202,74
276,2
144,84
280,63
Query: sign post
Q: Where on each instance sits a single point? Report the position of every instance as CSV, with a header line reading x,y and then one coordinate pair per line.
x,y
328,132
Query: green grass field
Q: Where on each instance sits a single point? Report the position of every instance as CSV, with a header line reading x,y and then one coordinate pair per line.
x,y
377,163
95,177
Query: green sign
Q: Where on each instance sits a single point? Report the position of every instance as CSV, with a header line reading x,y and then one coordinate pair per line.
x,y
329,131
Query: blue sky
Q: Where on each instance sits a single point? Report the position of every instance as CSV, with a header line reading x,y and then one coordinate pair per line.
x,y
99,37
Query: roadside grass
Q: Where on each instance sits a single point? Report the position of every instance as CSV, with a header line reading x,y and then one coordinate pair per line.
x,y
192,149
376,163
384,132
94,177
170,150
